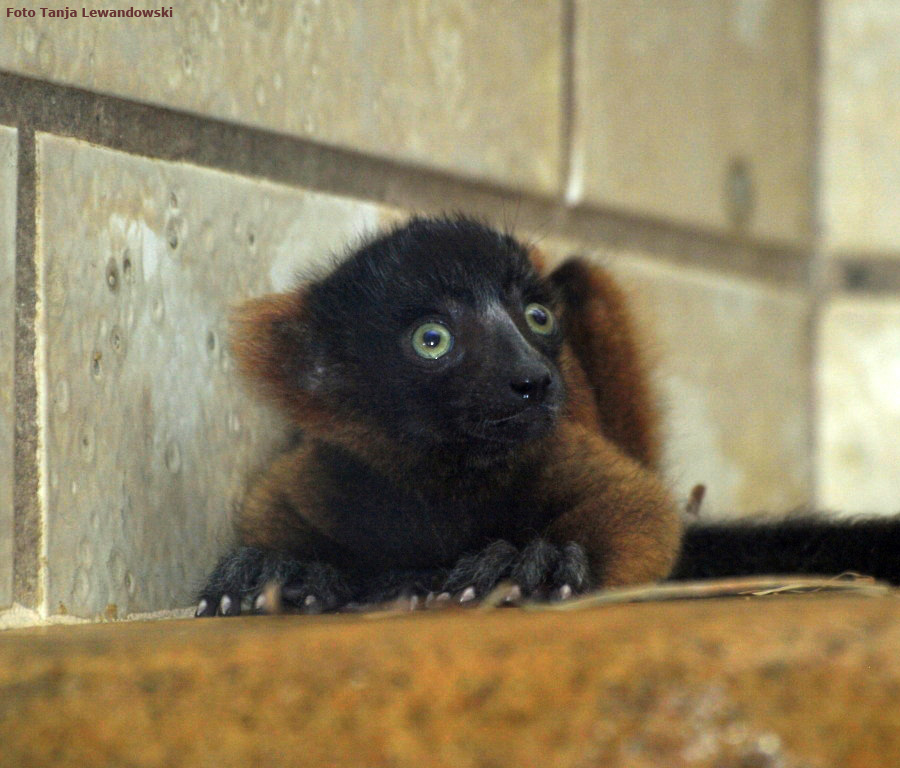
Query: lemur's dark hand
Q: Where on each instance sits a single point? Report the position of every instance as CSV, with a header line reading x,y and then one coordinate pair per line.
x,y
245,573
540,570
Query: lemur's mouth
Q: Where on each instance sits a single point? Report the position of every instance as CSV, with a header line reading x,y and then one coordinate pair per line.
x,y
524,423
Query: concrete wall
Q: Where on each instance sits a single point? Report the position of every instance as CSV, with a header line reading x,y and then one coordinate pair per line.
x,y
157,171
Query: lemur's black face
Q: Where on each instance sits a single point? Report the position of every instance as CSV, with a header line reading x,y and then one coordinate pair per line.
x,y
443,334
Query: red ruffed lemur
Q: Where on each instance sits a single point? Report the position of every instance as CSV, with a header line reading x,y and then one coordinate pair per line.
x,y
466,418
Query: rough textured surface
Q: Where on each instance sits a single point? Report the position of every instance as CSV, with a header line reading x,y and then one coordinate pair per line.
x,y
860,125
8,139
859,405
148,434
802,682
697,112
730,359
418,82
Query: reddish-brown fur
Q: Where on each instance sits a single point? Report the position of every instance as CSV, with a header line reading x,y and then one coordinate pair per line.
x,y
624,514
601,334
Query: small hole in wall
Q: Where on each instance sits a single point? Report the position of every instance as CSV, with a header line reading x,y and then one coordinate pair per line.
x,y
112,275
116,340
127,268
96,368
86,443
211,341
740,194
172,457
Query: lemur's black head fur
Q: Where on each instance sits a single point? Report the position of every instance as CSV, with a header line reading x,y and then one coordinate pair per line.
x,y
442,333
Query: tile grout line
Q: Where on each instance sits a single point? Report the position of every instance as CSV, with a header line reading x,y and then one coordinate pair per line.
x,y
567,98
41,374
27,524
820,277
255,153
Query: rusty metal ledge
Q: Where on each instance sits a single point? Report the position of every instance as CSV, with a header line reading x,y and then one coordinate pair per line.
x,y
784,681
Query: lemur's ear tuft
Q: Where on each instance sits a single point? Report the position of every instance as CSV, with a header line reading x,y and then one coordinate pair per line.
x,y
538,260
271,343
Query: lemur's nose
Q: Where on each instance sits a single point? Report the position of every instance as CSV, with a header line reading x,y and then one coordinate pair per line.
x,y
531,384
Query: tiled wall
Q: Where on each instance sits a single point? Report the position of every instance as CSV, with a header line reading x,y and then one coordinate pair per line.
x,y
858,379
731,161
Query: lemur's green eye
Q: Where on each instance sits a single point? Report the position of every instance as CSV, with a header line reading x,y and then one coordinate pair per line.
x,y
540,319
432,340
